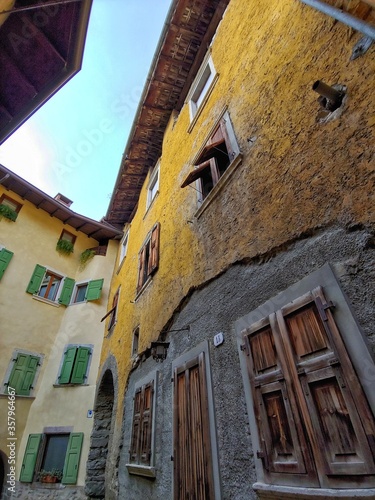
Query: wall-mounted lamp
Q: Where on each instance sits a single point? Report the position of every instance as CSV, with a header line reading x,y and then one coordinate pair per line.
x,y
159,350
330,97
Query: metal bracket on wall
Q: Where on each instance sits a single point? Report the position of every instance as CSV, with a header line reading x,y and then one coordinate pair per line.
x,y
361,47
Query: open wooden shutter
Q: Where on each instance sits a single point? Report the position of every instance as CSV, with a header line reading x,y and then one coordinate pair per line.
x,y
36,279
136,428
23,374
67,366
5,257
29,458
196,173
73,454
141,271
80,365
192,448
94,289
67,291
153,260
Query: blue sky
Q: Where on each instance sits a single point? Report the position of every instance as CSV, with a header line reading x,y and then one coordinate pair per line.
x,y
74,143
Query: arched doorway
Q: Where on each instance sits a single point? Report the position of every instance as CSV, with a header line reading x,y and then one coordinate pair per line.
x,y
100,437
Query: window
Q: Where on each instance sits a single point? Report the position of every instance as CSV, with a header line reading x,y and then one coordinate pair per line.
x,y
153,185
66,235
54,287
75,365
22,372
60,451
216,156
148,257
5,258
13,205
135,343
141,459
112,313
124,246
314,423
201,86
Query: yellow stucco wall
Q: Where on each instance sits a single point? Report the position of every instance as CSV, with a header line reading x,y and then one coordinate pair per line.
x,y
296,175
31,325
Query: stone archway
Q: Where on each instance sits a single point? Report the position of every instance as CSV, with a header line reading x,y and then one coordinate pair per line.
x,y
100,438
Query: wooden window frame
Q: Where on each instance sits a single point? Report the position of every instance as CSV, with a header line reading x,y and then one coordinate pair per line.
x,y
71,237
18,205
346,346
148,258
9,371
140,464
77,286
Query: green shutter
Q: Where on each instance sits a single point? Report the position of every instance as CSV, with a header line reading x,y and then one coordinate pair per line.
x,y
67,367
72,457
23,374
94,289
36,279
29,458
80,365
67,291
5,256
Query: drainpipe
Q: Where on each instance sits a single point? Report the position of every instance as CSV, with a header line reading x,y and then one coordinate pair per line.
x,y
344,17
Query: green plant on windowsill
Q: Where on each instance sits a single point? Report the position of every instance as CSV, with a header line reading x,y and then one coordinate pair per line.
x,y
50,476
85,257
64,247
8,212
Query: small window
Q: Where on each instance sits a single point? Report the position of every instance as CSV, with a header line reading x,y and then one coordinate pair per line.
x,y
22,373
148,257
201,86
80,293
112,313
75,365
124,246
50,286
13,206
141,455
54,455
153,185
135,343
216,156
66,235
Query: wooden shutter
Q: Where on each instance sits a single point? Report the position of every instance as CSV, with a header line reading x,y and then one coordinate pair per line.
x,y
141,271
73,454
5,257
136,428
303,383
67,291
192,448
284,450
196,173
80,365
29,458
23,374
36,279
67,366
94,289
153,260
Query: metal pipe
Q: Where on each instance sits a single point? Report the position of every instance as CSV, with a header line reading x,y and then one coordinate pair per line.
x,y
344,17
334,96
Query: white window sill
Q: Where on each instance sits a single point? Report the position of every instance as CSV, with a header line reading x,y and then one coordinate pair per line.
x,y
271,492
141,470
70,385
223,181
46,301
18,396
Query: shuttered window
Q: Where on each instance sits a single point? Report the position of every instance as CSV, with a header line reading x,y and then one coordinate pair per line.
x,y
75,365
149,257
141,438
192,462
52,451
315,425
5,258
23,373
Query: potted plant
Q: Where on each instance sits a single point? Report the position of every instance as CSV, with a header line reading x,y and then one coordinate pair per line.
x,y
50,476
64,247
8,212
85,256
